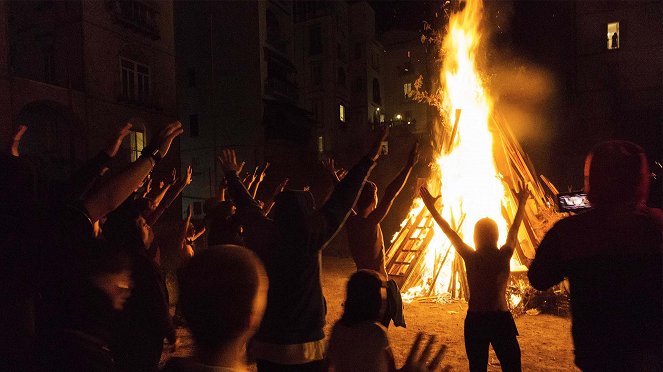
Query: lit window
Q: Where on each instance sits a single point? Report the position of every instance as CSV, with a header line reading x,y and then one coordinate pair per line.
x,y
135,79
341,113
137,143
613,35
384,148
321,144
407,88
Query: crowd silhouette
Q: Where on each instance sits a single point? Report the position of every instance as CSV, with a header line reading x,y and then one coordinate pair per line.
x,y
84,289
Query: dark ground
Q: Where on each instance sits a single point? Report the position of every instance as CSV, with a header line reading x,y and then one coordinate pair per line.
x,y
545,340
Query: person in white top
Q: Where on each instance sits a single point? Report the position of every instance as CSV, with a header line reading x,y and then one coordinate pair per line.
x,y
359,342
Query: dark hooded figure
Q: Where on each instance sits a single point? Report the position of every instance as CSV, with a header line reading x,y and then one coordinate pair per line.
x,y
82,341
291,334
612,257
145,322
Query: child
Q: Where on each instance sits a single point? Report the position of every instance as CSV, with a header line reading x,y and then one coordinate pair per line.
x,y
359,342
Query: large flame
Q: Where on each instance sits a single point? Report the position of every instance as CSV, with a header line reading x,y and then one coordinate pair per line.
x,y
468,180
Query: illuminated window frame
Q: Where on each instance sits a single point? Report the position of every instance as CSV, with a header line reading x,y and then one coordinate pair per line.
x,y
341,113
612,31
136,143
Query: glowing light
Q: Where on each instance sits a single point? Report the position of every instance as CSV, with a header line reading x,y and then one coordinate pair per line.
x,y
466,175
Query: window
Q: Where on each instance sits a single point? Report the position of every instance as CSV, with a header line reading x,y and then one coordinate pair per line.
x,y
613,35
135,78
315,40
376,92
384,148
316,73
197,208
407,88
340,77
341,113
340,52
375,61
321,144
49,66
191,75
137,143
137,15
193,125
357,50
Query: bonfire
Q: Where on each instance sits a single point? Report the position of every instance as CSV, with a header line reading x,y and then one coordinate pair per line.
x,y
478,167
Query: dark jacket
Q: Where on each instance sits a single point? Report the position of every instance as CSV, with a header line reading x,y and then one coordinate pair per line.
x,y
145,320
614,263
290,246
83,344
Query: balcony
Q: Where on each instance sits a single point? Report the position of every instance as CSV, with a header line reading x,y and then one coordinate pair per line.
x,y
136,15
279,87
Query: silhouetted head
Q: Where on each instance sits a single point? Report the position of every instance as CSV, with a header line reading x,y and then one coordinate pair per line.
x,y
365,299
616,173
223,294
485,234
108,268
126,227
368,197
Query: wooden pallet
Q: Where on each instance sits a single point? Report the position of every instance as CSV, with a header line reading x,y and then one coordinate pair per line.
x,y
406,254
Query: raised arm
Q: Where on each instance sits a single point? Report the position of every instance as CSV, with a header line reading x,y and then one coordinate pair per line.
x,y
463,249
170,198
158,198
239,194
85,177
395,187
521,196
117,189
270,203
16,140
259,178
334,212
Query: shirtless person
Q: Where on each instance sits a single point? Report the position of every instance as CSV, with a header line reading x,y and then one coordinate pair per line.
x,y
365,235
488,318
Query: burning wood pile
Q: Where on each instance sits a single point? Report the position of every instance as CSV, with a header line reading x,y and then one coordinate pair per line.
x,y
479,165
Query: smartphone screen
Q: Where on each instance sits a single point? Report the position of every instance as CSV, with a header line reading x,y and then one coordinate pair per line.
x,y
573,202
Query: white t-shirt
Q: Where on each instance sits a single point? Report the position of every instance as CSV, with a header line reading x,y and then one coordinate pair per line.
x,y
361,347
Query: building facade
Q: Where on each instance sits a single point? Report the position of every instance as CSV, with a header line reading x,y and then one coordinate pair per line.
x,y
339,59
237,89
75,71
406,59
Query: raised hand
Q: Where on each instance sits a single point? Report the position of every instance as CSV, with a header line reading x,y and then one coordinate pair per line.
x,y
241,166
189,173
428,199
117,139
376,147
523,192
148,187
228,161
417,362
279,189
413,157
261,177
16,140
173,177
336,174
166,136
